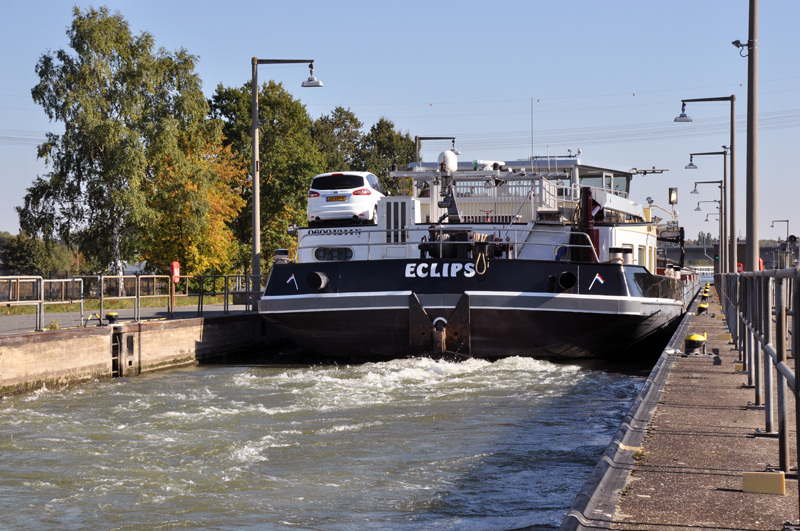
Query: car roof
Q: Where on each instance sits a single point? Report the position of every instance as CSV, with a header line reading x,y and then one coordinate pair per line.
x,y
359,173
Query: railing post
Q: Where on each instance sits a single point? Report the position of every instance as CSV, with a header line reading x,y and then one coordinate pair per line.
x,y
81,297
200,300
733,303
754,350
740,298
795,352
171,301
765,323
747,321
40,309
780,350
137,301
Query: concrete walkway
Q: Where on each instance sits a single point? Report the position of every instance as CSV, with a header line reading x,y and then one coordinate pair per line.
x,y
21,324
701,439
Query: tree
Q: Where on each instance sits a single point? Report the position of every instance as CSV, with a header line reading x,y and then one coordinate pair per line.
x,y
30,256
123,106
288,158
383,146
192,204
339,139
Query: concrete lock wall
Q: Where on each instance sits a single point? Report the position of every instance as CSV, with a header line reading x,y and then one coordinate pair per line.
x,y
60,357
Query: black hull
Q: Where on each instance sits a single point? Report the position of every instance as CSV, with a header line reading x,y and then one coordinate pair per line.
x,y
471,317
593,337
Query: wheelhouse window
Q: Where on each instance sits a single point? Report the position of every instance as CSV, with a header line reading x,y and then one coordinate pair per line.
x,y
333,254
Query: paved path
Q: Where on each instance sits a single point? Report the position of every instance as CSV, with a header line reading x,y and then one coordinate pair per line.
x,y
20,324
702,437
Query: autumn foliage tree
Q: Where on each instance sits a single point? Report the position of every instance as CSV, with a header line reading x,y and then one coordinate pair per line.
x,y
288,156
123,105
191,206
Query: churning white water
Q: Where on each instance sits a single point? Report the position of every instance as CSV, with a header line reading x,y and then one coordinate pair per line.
x,y
408,444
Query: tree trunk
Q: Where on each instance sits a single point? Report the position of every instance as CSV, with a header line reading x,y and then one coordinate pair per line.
x,y
116,266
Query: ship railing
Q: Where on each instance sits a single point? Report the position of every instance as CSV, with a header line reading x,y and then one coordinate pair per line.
x,y
497,196
456,242
760,310
126,294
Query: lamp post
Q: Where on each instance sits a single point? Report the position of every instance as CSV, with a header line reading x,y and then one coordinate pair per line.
x,y
751,261
731,211
774,221
725,252
310,82
704,244
719,266
698,209
417,140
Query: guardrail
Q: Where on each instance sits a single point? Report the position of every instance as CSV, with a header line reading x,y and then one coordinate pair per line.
x,y
438,237
235,290
757,306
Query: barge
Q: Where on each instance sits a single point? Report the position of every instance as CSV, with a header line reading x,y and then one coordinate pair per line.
x,y
547,258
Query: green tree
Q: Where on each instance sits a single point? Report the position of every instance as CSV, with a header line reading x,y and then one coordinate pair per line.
x,y
123,106
5,236
383,147
30,256
339,139
192,206
22,255
288,157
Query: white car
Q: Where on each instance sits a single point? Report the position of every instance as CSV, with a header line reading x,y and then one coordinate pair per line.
x,y
343,196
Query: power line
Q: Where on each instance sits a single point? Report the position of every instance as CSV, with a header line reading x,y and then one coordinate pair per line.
x,y
591,135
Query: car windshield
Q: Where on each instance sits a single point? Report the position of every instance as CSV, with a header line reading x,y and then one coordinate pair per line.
x,y
337,182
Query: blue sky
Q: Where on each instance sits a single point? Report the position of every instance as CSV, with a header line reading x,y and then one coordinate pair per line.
x,y
606,77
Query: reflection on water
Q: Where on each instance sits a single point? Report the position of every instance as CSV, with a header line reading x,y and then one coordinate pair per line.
x,y
407,444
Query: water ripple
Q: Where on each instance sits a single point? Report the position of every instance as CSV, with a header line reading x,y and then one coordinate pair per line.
x,y
398,445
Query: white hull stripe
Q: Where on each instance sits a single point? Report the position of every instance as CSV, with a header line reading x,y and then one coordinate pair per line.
x,y
480,300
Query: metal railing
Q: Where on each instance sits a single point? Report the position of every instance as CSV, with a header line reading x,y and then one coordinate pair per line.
x,y
516,238
235,290
757,306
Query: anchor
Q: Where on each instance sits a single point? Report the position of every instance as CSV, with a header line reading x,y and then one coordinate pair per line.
x,y
440,336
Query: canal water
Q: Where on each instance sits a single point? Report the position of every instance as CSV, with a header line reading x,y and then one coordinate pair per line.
x,y
402,445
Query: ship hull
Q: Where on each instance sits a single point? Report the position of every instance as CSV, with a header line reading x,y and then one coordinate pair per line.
x,y
549,310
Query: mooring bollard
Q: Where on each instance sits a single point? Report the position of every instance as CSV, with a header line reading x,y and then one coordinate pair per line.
x,y
695,344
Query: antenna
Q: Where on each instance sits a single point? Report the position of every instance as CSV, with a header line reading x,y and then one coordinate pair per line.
x,y
531,134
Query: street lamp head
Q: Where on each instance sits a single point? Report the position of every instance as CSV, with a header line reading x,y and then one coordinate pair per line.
x,y
695,191
311,81
682,117
691,165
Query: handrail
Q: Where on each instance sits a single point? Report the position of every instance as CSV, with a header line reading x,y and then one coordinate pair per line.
x,y
757,306
517,241
39,292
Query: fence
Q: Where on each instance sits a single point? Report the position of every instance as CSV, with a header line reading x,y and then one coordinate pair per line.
x,y
753,302
235,290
